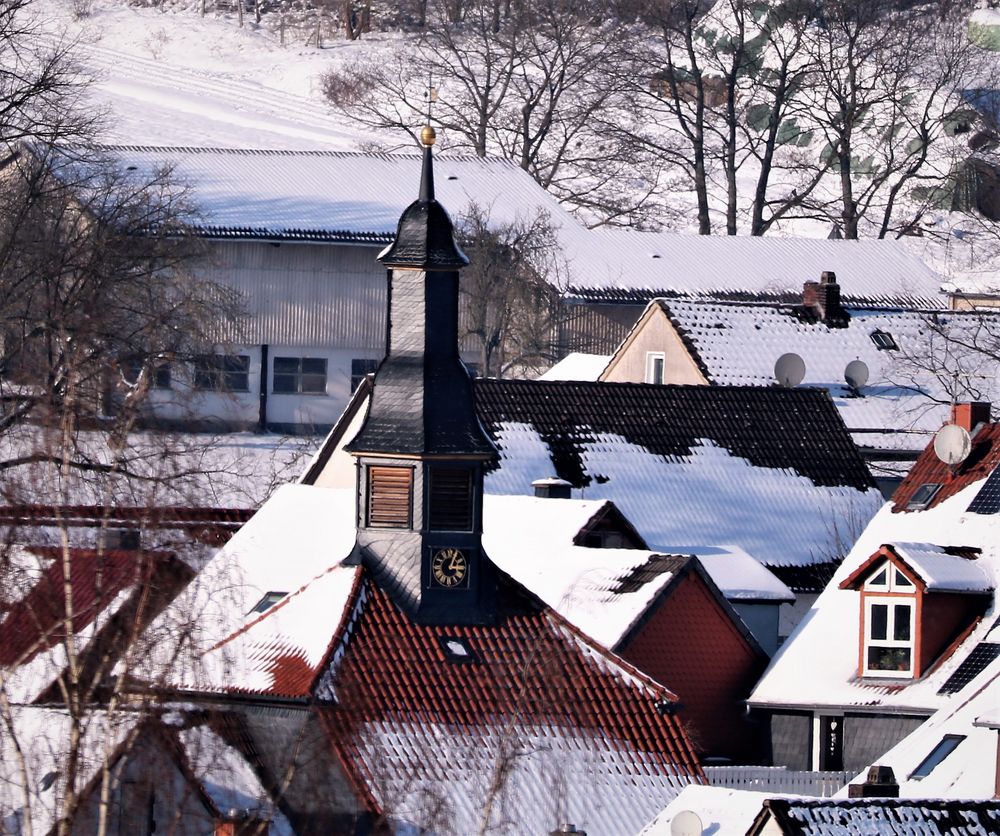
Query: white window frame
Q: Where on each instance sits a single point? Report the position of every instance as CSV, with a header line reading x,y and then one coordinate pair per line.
x,y
651,360
892,602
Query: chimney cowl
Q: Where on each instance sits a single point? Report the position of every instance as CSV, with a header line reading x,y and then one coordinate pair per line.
x,y
552,487
971,414
880,783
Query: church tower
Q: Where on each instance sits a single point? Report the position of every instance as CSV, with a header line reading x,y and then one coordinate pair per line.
x,y
421,451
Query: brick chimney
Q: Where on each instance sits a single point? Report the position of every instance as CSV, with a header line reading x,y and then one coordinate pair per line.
x,y
970,415
880,783
822,300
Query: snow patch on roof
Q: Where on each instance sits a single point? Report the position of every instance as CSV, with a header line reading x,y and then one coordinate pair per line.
x,y
581,584
721,810
942,571
740,576
577,366
678,503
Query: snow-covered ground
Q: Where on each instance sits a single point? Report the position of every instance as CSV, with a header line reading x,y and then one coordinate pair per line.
x,y
173,78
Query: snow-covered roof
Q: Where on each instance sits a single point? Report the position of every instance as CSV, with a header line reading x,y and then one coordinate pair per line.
x,y
748,267
888,816
577,366
38,739
770,471
741,576
334,195
721,810
33,646
954,753
239,641
585,585
818,664
901,404
941,571
358,197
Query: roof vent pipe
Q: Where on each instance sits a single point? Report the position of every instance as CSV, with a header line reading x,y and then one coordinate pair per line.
x,y
552,487
970,415
568,828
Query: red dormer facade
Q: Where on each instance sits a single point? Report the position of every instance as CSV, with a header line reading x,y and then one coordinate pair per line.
x,y
906,622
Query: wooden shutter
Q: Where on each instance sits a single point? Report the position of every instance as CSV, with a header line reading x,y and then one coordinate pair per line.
x,y
390,491
451,499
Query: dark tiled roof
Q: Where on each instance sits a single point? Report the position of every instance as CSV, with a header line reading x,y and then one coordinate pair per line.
x,y
806,578
406,712
982,461
829,817
793,429
657,565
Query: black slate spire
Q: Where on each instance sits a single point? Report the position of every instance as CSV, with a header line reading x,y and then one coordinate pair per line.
x,y
422,403
421,451
425,236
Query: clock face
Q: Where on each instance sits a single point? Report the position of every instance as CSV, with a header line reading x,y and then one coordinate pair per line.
x,y
449,567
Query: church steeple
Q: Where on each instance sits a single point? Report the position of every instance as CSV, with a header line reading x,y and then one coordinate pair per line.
x,y
421,449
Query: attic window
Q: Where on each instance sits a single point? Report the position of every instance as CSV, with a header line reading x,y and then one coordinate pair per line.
x,y
884,341
923,496
268,601
456,649
947,745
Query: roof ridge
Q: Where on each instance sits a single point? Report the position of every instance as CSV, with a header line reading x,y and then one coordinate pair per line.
x,y
388,156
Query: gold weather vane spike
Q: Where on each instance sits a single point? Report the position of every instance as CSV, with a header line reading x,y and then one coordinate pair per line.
x,y
427,133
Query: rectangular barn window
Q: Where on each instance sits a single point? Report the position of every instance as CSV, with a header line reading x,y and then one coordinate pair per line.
x,y
299,375
222,372
450,499
390,494
360,369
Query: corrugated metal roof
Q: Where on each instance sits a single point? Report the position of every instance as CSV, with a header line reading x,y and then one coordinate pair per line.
x,y
343,197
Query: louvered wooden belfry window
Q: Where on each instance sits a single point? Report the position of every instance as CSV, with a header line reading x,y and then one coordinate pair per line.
x,y
450,501
390,490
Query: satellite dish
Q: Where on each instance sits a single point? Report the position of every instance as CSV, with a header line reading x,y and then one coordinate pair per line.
x,y
685,823
952,444
856,374
789,370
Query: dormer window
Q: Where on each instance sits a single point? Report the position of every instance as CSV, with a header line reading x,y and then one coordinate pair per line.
x,y
888,623
916,599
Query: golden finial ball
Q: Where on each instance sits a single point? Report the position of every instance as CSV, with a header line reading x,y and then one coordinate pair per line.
x,y
427,136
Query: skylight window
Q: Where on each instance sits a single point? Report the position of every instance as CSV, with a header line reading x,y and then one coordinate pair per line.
x,y
884,341
457,649
923,496
947,745
268,601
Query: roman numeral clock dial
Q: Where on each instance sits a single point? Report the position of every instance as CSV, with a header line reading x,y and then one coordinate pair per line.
x,y
449,568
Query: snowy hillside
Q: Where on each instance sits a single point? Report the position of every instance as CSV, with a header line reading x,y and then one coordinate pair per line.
x,y
172,77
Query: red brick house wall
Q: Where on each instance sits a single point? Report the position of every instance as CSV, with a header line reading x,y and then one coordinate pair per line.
x,y
691,645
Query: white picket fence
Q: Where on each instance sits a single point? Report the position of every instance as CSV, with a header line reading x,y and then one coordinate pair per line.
x,y
777,779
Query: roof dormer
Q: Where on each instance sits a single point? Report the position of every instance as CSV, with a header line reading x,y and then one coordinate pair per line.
x,y
916,599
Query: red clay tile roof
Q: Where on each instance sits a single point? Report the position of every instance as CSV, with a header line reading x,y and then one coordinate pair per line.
x,y
929,469
407,716
36,622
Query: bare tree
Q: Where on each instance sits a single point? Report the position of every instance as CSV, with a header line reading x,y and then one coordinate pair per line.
x,y
520,81
510,292
887,80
